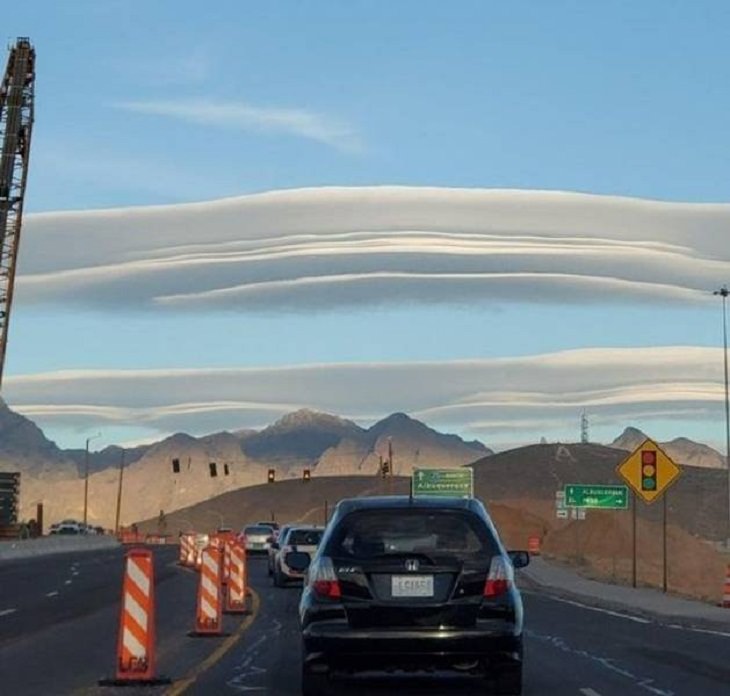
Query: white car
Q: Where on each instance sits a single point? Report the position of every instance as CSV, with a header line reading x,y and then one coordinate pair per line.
x,y
257,538
295,553
70,527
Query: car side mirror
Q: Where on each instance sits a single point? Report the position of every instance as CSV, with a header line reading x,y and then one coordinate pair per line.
x,y
519,559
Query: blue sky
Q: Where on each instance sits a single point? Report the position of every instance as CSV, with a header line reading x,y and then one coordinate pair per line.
x,y
144,103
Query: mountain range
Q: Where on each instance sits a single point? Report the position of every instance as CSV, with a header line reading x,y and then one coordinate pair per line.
x,y
215,463
325,444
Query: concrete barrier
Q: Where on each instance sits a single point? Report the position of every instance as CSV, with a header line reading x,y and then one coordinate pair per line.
x,y
44,546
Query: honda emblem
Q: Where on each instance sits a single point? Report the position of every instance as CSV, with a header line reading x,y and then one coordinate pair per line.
x,y
412,565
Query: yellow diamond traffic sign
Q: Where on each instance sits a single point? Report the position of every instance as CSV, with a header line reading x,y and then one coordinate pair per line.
x,y
649,471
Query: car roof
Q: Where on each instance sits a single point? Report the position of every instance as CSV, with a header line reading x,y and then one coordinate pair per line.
x,y
404,502
304,527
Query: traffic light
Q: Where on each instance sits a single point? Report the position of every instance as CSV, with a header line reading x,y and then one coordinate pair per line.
x,y
175,466
306,476
272,475
385,468
648,470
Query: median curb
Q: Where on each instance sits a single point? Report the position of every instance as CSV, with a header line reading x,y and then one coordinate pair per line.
x,y
51,545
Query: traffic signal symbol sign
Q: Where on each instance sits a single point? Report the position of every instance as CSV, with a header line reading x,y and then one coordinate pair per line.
x,y
649,471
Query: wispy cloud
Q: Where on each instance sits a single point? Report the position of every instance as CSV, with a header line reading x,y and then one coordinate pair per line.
x,y
246,117
329,248
499,399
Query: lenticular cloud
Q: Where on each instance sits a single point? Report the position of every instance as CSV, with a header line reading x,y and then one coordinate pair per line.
x,y
319,249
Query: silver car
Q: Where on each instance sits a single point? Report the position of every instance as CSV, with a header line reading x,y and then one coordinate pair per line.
x,y
257,538
274,546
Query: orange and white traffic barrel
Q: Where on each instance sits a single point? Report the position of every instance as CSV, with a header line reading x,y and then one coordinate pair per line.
x,y
236,590
136,639
209,610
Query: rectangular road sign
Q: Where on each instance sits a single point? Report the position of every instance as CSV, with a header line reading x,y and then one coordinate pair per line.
x,y
447,483
603,497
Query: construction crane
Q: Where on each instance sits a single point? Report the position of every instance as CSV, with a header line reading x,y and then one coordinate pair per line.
x,y
16,125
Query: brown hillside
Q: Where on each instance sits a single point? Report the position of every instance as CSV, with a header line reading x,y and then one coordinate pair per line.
x,y
697,502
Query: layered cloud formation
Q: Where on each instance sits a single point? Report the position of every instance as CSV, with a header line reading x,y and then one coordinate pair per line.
x,y
338,247
530,395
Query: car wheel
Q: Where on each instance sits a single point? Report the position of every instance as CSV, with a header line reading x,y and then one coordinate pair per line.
x,y
509,681
279,580
314,684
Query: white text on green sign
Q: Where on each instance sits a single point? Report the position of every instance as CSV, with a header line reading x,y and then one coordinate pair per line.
x,y
450,483
594,496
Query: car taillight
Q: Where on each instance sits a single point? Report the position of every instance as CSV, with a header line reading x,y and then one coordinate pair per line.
x,y
323,579
500,577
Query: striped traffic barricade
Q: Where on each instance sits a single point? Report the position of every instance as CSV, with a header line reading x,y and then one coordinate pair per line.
x,y
209,609
226,562
136,639
236,590
726,589
187,550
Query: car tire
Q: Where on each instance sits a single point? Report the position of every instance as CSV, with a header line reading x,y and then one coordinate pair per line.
x,y
314,684
279,580
509,681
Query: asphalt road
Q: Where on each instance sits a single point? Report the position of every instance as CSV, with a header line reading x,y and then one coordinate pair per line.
x,y
570,649
58,623
59,619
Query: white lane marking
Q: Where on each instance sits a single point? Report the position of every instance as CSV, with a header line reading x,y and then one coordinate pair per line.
x,y
68,582
708,631
587,691
605,662
610,612
7,612
52,594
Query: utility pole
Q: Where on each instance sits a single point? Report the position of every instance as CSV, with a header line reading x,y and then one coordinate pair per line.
x,y
86,476
723,292
119,495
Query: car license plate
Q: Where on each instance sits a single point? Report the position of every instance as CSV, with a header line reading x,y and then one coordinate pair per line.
x,y
412,586
256,545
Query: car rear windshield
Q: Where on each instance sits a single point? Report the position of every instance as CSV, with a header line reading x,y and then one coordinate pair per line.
x,y
370,534
257,530
304,537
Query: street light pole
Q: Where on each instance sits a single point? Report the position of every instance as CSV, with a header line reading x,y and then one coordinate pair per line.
x,y
86,476
723,292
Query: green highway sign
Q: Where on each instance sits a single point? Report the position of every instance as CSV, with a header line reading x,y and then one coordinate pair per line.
x,y
605,497
446,483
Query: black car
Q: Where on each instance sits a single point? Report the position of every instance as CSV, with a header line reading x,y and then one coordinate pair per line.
x,y
412,584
